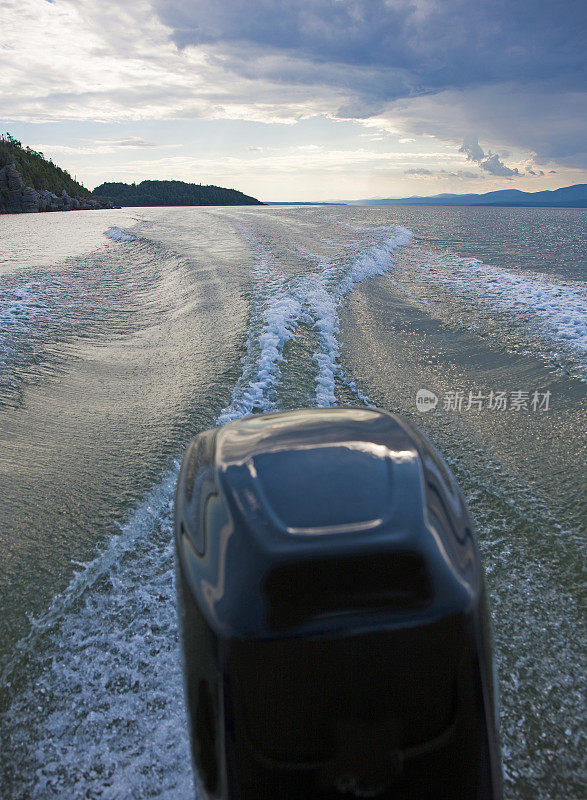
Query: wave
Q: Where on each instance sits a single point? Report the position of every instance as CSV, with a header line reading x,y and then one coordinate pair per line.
x,y
312,300
376,260
20,308
323,299
101,670
275,314
557,311
19,305
107,699
119,235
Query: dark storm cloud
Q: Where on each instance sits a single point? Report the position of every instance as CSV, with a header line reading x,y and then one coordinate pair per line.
x,y
547,121
378,53
434,43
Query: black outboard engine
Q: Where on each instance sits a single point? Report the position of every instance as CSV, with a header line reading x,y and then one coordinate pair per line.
x,y
333,614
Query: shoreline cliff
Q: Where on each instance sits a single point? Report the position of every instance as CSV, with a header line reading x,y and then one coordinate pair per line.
x,y
16,198
30,183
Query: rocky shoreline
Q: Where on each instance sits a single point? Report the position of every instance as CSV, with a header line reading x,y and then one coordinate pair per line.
x,y
18,199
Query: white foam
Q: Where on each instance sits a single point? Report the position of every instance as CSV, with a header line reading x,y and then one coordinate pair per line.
x,y
19,305
375,260
556,310
276,312
109,709
119,235
107,705
101,670
323,308
320,293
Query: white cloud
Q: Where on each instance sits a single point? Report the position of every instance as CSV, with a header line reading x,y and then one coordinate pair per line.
x,y
416,69
74,61
306,158
442,174
490,162
102,146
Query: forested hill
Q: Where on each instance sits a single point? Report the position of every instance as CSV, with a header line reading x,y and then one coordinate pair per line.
x,y
171,193
36,171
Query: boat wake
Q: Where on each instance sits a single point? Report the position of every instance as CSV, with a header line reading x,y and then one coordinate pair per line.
x,y
98,679
119,235
541,310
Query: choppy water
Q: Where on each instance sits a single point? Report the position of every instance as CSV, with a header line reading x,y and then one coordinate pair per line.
x,y
124,333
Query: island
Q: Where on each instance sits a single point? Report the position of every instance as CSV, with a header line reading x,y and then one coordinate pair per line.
x,y
171,193
30,183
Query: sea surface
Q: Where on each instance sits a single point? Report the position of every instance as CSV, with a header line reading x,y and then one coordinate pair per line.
x,y
123,333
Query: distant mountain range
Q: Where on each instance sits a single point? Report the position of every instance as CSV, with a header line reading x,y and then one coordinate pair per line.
x,y
567,197
171,193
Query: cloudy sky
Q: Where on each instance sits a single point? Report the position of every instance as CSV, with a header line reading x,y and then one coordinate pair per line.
x,y
302,99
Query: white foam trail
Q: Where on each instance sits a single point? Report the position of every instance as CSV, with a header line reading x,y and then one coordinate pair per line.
x,y
107,704
100,672
277,326
19,305
557,310
322,310
118,235
376,260
109,710
276,312
323,303
312,300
